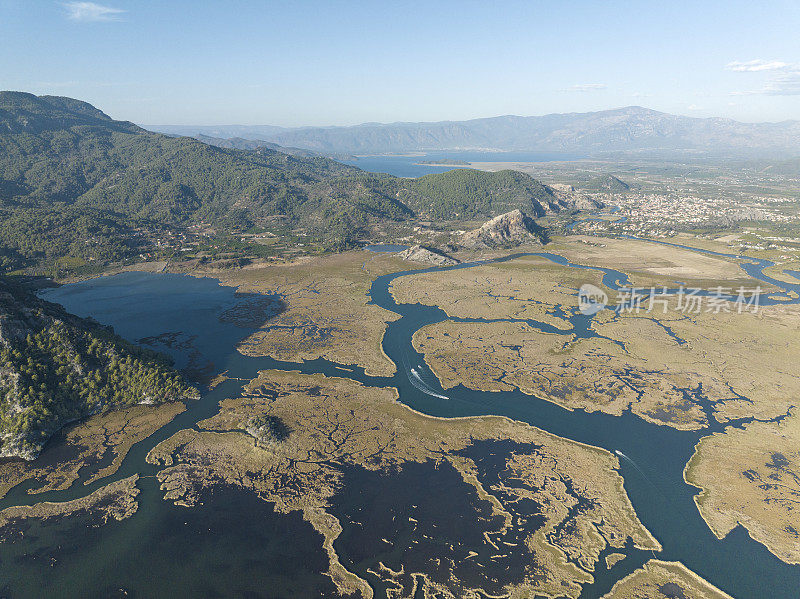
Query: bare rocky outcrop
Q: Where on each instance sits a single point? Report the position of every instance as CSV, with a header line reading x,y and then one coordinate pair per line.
x,y
418,253
607,184
512,228
570,198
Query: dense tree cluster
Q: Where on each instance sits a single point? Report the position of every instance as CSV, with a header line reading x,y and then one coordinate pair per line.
x,y
75,183
267,429
56,367
468,194
78,188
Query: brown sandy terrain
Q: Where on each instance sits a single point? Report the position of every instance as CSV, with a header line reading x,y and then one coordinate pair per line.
x,y
326,311
743,364
99,443
664,580
529,287
645,359
115,501
337,424
751,477
651,264
591,374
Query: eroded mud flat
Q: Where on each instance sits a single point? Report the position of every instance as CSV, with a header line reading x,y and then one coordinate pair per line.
x,y
467,497
315,466
664,579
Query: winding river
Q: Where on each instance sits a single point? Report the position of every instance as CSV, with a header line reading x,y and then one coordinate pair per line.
x,y
233,545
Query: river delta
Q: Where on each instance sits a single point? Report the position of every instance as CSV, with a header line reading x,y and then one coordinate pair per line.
x,y
379,429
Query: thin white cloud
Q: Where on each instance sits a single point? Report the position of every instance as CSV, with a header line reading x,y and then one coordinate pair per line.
x,y
694,107
784,77
92,12
753,66
585,87
785,84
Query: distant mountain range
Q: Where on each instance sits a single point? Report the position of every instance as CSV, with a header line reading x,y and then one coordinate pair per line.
x,y
631,129
240,143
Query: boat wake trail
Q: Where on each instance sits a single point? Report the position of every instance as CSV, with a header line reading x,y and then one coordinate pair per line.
x,y
635,465
417,381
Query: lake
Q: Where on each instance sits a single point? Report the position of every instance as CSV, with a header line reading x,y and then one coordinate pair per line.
x,y
408,166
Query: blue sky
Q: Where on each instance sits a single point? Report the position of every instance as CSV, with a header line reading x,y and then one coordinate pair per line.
x,y
336,62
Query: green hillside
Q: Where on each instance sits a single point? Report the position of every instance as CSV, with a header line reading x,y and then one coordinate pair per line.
x,y
467,194
606,184
75,183
56,367
79,188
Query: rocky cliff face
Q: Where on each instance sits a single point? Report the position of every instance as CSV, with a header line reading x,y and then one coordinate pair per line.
x,y
418,253
512,228
571,199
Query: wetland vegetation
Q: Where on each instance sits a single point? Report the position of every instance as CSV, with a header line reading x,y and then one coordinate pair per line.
x,y
315,405
554,516
529,356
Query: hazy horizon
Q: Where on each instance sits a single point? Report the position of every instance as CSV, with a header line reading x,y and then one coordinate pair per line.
x,y
407,122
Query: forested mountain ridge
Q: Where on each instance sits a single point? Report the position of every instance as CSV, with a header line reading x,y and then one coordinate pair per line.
x,y
21,112
468,194
78,185
75,183
56,367
239,143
